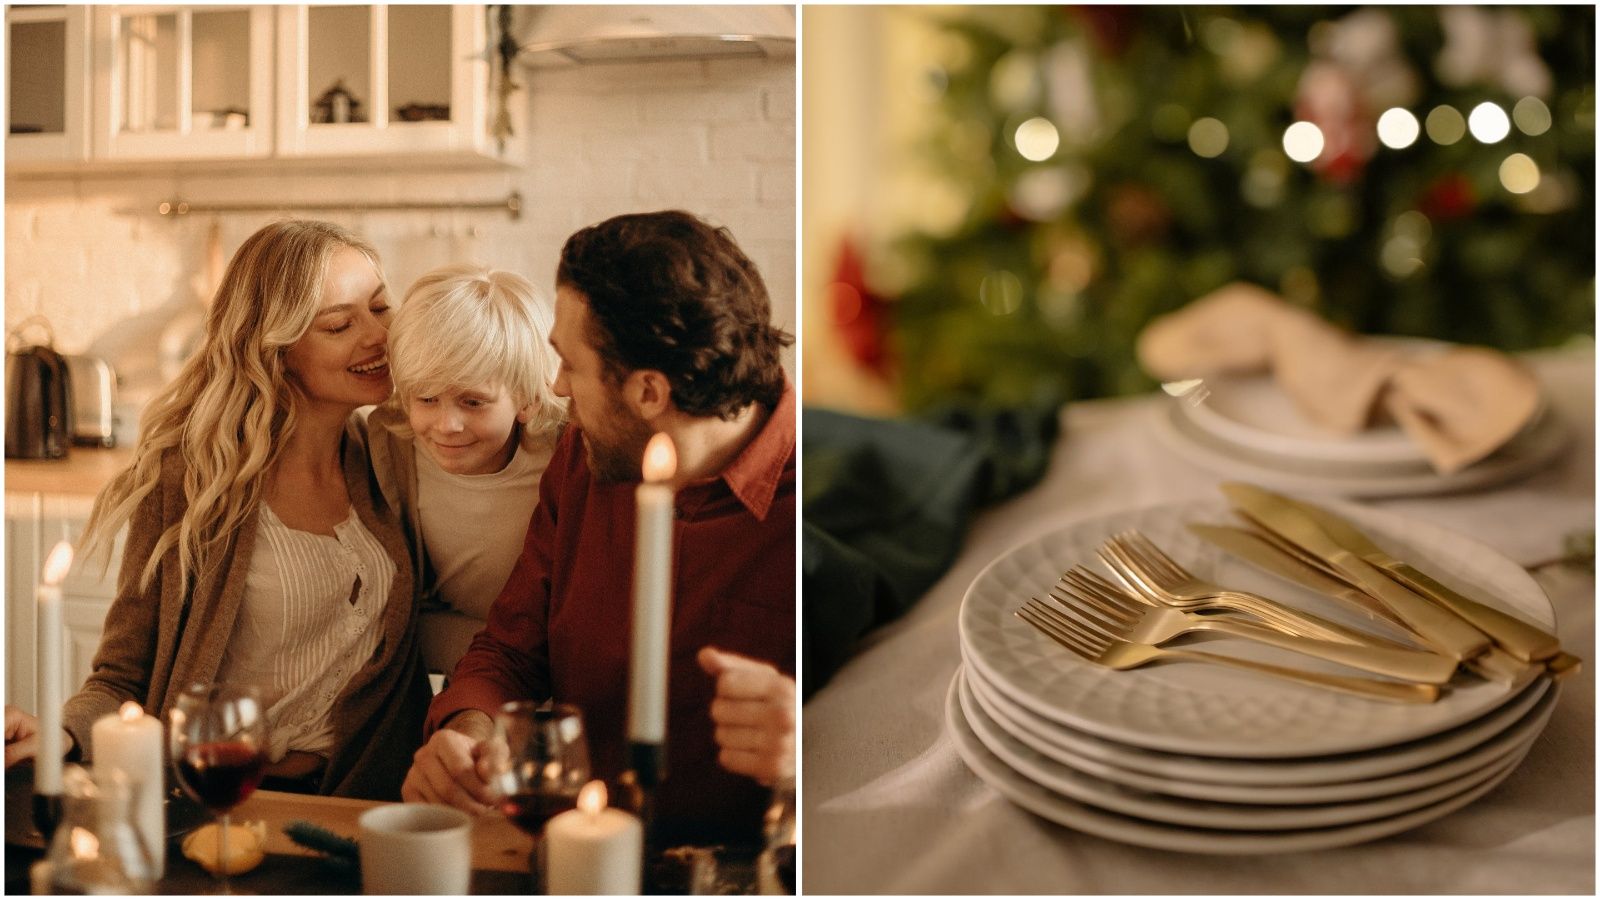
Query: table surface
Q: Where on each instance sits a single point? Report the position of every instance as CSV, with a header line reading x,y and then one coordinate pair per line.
x,y
499,851
883,782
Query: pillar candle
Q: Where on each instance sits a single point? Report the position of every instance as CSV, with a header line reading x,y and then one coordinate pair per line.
x,y
130,742
47,765
652,595
593,849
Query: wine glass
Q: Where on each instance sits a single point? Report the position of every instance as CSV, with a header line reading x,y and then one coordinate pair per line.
x,y
218,738
538,760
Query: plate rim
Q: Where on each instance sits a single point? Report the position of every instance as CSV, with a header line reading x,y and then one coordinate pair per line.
x,y
1192,812
1129,830
1382,766
1529,452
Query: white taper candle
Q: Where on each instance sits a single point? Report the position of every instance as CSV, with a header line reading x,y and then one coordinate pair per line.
x,y
652,595
50,644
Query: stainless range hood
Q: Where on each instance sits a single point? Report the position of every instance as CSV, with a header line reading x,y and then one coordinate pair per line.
x,y
564,36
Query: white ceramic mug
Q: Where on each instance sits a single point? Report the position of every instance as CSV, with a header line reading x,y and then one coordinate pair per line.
x,y
415,848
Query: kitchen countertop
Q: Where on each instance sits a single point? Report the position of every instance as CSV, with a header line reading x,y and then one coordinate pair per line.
x,y
82,473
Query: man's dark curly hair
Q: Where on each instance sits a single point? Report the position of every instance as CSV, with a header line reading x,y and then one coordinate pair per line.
x,y
669,292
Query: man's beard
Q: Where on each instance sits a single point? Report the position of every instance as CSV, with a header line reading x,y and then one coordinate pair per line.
x,y
616,452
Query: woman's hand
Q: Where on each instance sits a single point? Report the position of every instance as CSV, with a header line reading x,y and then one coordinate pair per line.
x,y
22,736
754,714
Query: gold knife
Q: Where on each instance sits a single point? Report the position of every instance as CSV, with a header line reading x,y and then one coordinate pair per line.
x,y
1257,551
1522,640
1495,665
1436,625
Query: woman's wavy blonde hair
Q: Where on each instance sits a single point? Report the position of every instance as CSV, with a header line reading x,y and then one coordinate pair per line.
x,y
232,408
464,326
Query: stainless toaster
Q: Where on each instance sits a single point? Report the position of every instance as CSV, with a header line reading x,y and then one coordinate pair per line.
x,y
94,396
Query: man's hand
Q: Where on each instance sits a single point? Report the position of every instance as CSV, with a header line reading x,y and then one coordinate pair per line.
x,y
22,736
450,768
754,714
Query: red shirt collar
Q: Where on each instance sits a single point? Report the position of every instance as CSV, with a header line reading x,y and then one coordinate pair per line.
x,y
754,475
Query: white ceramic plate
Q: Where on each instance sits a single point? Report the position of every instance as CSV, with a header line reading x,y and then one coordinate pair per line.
x,y
1043,802
1354,776
1158,807
1527,453
1212,710
1252,411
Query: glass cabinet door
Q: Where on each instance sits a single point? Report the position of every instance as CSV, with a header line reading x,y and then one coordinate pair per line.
x,y
46,93
189,82
378,79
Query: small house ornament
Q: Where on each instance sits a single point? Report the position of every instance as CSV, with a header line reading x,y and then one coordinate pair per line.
x,y
337,105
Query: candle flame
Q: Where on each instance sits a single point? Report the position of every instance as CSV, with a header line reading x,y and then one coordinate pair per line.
x,y
130,711
57,563
83,843
592,799
660,458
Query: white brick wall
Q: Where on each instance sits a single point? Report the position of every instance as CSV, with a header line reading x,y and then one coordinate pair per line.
x,y
715,138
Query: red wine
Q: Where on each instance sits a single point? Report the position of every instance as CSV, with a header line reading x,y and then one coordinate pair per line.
x,y
222,774
530,811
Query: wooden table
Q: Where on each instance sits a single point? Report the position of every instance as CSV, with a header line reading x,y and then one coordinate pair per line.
x,y
499,851
497,845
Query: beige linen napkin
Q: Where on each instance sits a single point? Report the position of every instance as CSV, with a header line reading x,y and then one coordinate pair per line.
x,y
1459,405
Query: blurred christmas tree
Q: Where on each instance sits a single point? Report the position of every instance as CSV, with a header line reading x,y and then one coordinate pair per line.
x,y
1112,164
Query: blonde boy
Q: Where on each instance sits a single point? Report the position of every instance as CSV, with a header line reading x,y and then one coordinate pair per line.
x,y
459,449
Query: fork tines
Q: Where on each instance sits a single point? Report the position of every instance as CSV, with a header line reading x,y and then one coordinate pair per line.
x,y
1072,635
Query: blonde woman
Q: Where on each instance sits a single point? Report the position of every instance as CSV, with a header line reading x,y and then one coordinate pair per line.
x,y
258,550
460,449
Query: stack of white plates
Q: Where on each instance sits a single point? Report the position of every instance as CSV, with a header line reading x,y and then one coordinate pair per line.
x,y
1248,428
1206,759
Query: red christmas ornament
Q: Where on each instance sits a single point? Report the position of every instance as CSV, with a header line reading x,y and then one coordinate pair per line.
x,y
1111,27
860,316
1448,197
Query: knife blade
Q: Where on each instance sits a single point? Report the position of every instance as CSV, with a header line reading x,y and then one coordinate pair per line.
x,y
1495,665
1259,552
1522,640
1440,628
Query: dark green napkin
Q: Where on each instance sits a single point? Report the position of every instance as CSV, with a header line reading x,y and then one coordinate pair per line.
x,y
886,505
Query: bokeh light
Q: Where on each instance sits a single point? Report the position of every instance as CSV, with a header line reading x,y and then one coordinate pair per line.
x,y
1519,173
1014,80
1303,142
1041,193
1531,116
1037,139
1445,125
1398,128
1208,137
846,305
1170,122
1001,293
1488,123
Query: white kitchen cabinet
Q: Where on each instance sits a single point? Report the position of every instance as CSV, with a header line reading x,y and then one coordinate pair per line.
x,y
47,84
183,82
382,80
118,87
34,523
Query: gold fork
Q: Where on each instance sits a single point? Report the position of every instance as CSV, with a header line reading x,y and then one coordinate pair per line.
x,y
1149,571
1113,653
1121,616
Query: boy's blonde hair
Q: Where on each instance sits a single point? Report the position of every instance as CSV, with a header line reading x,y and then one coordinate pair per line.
x,y
464,326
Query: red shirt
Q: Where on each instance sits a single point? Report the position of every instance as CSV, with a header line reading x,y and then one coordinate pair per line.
x,y
560,627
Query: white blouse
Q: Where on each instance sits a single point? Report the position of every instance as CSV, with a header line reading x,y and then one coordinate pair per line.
x,y
311,616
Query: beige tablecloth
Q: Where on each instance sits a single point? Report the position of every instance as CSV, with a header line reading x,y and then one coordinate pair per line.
x,y
890,808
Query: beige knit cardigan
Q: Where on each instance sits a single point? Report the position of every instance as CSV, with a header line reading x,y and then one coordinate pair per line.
x,y
159,640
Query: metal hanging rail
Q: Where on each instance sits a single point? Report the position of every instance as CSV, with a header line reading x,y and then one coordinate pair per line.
x,y
511,206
